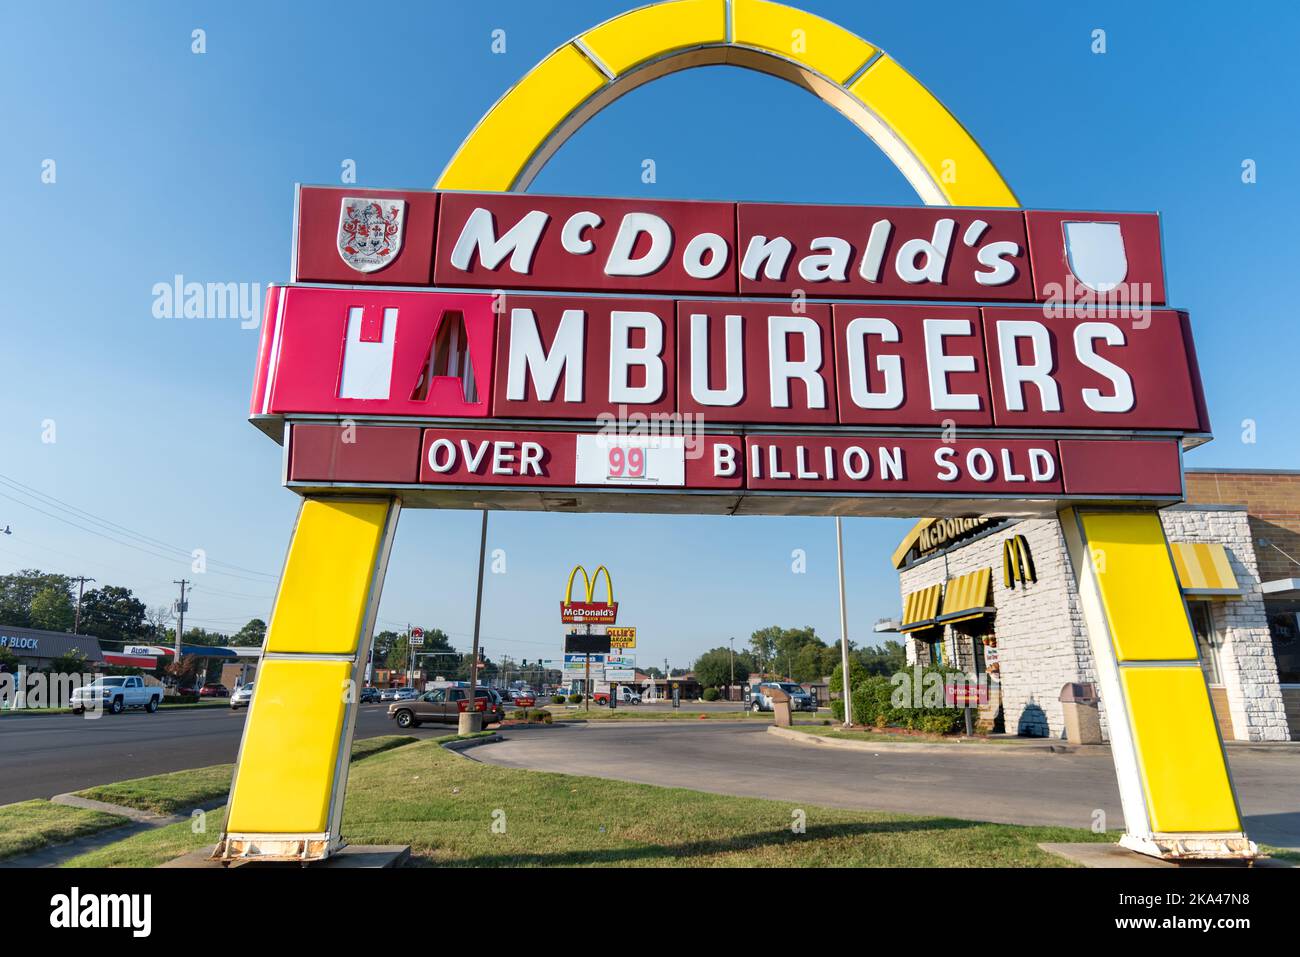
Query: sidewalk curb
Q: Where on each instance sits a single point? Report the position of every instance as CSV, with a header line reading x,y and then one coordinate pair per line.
x,y
921,746
472,742
135,814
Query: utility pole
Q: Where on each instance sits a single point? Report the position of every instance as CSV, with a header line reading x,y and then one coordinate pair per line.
x,y
732,642
845,690
180,619
81,583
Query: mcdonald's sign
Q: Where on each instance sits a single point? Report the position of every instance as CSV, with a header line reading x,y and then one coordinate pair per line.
x,y
1017,562
589,612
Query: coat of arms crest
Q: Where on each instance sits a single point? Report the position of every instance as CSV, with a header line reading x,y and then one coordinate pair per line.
x,y
370,232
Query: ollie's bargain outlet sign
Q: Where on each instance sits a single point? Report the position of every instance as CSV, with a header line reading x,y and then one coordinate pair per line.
x,y
765,357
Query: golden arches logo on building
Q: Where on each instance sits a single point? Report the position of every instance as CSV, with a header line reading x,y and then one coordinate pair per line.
x,y
589,611
1017,562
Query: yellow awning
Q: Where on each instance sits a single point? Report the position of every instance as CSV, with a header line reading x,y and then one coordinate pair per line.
x,y
967,597
1204,570
920,608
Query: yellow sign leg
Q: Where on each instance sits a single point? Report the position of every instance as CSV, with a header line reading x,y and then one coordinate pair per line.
x,y
1174,781
286,801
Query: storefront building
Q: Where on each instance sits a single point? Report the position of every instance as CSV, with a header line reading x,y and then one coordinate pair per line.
x,y
996,598
37,649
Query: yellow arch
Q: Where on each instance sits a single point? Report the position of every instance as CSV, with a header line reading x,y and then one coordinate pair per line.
x,y
590,583
538,114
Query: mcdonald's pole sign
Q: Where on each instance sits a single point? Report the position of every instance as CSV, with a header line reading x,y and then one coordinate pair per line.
x,y
589,611
479,346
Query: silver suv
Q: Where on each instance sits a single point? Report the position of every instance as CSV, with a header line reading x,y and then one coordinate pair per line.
x,y
800,700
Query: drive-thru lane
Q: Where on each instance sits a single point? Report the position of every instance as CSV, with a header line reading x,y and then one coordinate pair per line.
x,y
1027,787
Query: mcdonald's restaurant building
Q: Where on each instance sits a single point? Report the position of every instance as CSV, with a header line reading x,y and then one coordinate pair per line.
x,y
996,597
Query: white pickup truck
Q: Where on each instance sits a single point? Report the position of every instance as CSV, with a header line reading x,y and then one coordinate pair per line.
x,y
117,693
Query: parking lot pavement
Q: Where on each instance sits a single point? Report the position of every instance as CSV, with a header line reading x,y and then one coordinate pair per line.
x,y
1025,788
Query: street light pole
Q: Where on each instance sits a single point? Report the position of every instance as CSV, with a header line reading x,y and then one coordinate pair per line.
x,y
732,642
478,617
845,691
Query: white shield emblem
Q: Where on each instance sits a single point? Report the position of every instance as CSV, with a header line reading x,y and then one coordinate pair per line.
x,y
370,232
1095,252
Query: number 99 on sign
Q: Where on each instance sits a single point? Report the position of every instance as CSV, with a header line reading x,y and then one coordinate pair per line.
x,y
630,460
626,463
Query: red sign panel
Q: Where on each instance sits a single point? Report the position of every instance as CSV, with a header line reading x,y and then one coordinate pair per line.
x,y
432,354
857,463
584,244
606,351
588,612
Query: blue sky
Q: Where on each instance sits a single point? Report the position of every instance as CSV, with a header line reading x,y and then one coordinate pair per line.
x,y
173,163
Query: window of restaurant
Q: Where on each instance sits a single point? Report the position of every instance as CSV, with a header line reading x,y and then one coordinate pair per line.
x,y
1208,640
1284,628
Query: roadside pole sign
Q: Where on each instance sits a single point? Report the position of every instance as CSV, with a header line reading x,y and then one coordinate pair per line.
x,y
620,667
623,636
589,612
583,324
417,636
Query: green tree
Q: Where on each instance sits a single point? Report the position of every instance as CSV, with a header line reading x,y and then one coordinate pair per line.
x,y
51,609
251,635
713,668
884,659
8,661
114,614
19,590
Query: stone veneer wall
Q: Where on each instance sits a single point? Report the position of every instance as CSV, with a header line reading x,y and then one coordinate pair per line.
x,y
1247,668
1042,643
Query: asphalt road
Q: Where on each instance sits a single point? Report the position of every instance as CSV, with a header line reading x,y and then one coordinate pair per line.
x,y
1037,787
41,756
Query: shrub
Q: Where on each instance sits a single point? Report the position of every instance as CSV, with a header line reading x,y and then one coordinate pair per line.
x,y
837,710
711,694
557,699
874,704
524,714
871,702
940,721
575,699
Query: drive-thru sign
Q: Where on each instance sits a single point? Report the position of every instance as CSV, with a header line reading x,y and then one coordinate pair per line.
x,y
475,346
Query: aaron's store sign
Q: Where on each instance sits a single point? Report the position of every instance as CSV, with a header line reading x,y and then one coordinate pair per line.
x,y
474,346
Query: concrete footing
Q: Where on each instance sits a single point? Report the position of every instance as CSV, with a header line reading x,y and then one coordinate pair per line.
x,y
346,858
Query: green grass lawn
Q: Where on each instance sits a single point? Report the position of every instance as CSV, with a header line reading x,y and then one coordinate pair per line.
x,y
182,791
444,806
31,825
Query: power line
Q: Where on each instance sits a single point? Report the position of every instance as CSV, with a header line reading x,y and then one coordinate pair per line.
x,y
113,531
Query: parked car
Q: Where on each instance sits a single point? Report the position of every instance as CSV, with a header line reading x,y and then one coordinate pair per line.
x,y
389,694
242,697
406,694
625,696
214,689
368,695
446,704
800,700
116,694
